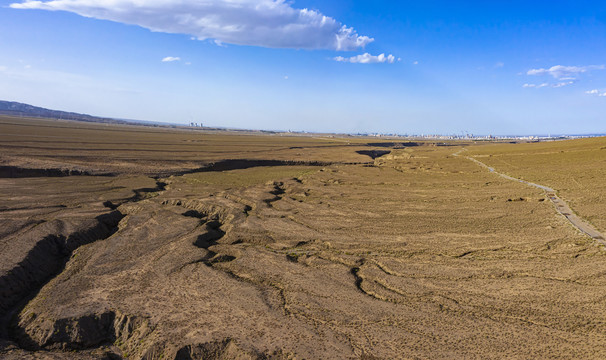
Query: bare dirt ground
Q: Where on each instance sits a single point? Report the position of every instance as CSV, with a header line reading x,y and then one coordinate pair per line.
x,y
327,254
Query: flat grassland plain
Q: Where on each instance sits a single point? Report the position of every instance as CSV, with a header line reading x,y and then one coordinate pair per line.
x,y
143,243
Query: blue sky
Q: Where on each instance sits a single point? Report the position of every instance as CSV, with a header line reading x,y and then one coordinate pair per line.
x,y
484,67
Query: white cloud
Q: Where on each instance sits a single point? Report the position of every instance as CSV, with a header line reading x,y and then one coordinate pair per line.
x,y
537,86
565,72
219,43
415,63
556,85
595,92
499,65
266,23
367,59
562,84
171,59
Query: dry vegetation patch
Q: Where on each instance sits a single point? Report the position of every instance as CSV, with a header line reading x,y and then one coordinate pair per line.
x,y
575,168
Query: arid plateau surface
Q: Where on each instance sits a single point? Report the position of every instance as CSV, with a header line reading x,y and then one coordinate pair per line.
x,y
141,243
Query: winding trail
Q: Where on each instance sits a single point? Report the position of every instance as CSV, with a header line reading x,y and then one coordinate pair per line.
x,y
560,205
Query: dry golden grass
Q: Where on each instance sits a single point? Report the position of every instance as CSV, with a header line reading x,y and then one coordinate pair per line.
x,y
575,168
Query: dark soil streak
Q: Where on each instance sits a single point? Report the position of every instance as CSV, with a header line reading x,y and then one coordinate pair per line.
x,y
278,191
19,172
240,164
373,154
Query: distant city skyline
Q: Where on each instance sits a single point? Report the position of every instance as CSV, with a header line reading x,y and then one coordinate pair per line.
x,y
436,67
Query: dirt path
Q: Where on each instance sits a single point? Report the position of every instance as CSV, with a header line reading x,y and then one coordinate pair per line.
x,y
560,205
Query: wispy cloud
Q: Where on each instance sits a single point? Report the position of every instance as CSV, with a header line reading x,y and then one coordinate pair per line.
x,y
368,59
266,23
543,85
36,77
41,75
537,86
171,59
565,72
595,92
562,84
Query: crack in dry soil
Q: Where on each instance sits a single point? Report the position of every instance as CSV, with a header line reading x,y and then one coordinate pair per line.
x,y
241,164
15,171
21,172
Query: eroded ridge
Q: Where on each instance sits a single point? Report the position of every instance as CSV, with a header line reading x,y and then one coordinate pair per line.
x,y
49,255
204,236
560,205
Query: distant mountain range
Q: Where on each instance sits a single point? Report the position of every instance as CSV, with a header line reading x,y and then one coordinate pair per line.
x,y
19,109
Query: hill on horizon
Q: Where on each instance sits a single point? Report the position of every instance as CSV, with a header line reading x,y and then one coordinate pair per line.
x,y
13,108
